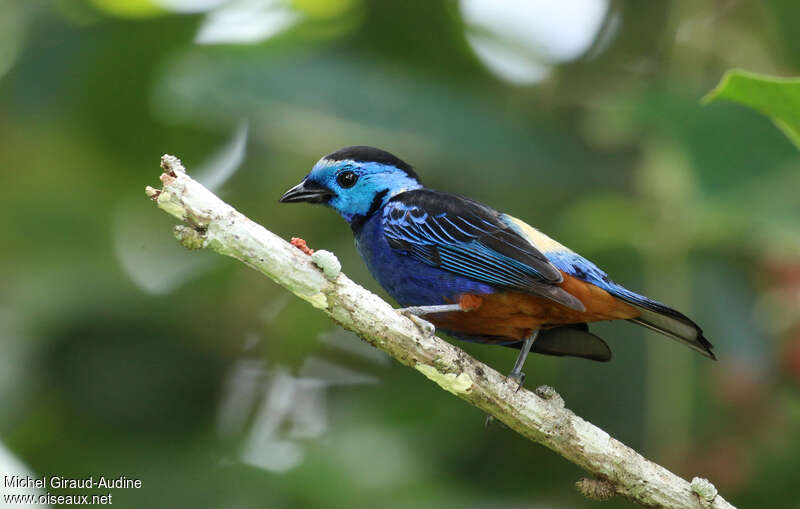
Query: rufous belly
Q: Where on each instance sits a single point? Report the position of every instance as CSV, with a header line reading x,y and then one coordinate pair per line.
x,y
515,314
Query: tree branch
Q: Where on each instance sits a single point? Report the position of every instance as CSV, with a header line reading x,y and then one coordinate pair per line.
x,y
539,415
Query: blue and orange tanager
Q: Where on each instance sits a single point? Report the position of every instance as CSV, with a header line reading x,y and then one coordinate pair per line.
x,y
474,272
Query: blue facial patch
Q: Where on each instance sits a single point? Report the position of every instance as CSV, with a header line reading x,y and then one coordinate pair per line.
x,y
376,184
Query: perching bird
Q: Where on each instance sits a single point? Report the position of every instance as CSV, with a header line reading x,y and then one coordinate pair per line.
x,y
476,273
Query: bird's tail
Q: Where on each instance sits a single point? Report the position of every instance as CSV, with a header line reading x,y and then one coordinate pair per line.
x,y
667,321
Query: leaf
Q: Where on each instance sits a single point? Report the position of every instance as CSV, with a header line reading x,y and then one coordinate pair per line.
x,y
778,98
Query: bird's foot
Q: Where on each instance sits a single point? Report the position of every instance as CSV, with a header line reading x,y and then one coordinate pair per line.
x,y
518,377
423,325
491,421
415,314
516,372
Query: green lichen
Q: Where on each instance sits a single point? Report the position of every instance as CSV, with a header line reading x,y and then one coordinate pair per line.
x,y
596,489
328,262
705,491
318,300
167,202
455,384
189,237
442,367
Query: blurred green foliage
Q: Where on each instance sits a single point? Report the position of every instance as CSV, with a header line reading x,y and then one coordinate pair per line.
x,y
122,354
778,98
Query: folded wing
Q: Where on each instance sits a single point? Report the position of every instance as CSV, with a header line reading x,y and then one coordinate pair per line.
x,y
470,239
652,314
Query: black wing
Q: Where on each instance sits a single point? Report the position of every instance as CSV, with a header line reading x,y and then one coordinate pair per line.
x,y
470,239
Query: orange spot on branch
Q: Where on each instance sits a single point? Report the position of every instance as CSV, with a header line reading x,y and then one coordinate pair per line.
x,y
302,246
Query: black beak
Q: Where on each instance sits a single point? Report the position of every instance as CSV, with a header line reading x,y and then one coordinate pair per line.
x,y
307,191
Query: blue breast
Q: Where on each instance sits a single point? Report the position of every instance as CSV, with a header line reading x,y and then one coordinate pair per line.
x,y
408,281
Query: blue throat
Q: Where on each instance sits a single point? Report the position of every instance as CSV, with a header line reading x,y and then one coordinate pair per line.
x,y
357,221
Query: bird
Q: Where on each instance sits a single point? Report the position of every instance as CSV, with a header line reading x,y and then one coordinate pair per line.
x,y
475,273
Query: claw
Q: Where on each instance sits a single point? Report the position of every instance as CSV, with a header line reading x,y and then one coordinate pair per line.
x,y
413,313
518,377
516,373
490,421
423,325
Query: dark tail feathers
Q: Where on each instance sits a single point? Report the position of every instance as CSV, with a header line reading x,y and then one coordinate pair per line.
x,y
671,323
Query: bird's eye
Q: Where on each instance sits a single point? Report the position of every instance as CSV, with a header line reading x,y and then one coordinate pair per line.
x,y
347,179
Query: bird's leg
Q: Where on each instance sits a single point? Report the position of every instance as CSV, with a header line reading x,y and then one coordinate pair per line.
x,y
414,313
466,302
427,310
516,372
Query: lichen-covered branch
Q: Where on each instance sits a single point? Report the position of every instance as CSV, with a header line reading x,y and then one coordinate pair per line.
x,y
539,415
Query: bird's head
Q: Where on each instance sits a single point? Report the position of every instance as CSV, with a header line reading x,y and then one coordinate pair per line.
x,y
355,181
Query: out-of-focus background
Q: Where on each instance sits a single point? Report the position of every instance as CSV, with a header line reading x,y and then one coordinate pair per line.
x,y
123,354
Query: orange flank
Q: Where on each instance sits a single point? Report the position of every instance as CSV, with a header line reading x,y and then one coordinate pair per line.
x,y
513,315
470,302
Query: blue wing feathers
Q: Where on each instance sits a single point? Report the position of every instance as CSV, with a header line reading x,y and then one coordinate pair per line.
x,y
577,266
455,239
467,238
654,314
500,270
